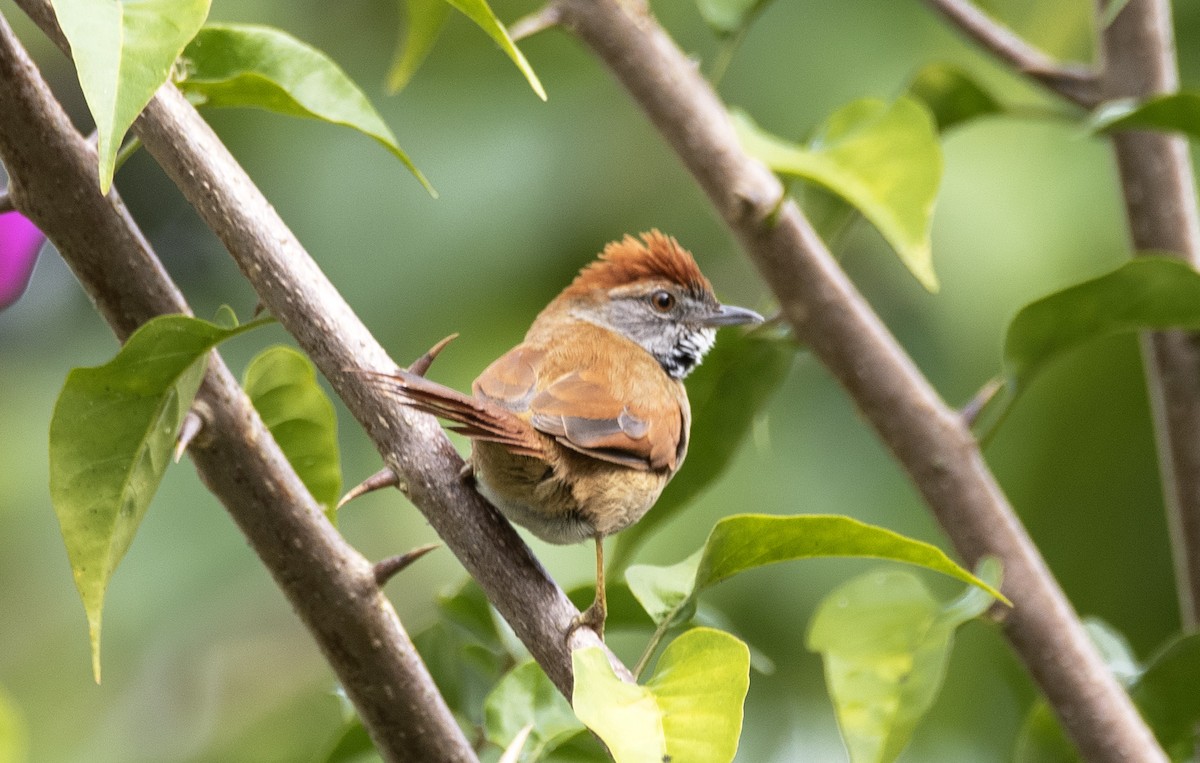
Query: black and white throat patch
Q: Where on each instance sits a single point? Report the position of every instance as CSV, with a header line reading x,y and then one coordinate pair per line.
x,y
688,352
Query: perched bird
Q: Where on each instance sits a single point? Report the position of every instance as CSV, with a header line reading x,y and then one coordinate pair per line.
x,y
576,431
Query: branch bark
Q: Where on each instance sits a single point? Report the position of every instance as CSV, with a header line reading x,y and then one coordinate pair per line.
x,y
332,588
1076,83
1160,205
827,313
299,295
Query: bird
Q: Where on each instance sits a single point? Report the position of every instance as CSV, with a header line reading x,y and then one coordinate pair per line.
x,y
576,430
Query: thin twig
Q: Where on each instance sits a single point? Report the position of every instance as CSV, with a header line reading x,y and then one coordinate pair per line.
x,y
1076,83
539,21
827,313
1160,205
329,584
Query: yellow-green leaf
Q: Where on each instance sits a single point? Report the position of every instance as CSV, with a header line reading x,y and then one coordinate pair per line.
x,y
483,16
882,158
425,21
124,51
282,384
885,641
266,68
690,710
111,436
747,541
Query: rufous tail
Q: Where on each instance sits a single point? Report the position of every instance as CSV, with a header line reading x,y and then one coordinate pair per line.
x,y
477,419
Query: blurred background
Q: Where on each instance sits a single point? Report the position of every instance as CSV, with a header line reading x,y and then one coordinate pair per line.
x,y
203,659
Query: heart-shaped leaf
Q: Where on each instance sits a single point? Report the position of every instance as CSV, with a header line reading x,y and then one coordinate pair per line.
x,y
690,710
1176,112
124,51
885,641
111,437
283,386
747,541
425,21
882,158
266,68
731,387
525,698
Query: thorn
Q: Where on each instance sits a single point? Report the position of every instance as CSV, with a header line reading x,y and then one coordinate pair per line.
x,y
192,424
385,477
422,364
970,412
386,569
259,308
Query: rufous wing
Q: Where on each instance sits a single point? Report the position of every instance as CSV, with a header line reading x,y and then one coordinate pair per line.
x,y
583,414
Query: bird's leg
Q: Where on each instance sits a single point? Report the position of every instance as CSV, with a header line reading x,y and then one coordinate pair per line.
x,y
594,616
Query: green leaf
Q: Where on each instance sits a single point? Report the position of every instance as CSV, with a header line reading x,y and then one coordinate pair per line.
x,y
425,21
885,641
1143,294
124,51
691,710
747,541
882,158
1166,694
262,67
727,391
1164,691
1176,112
523,697
481,13
111,437
728,17
951,95
350,745
624,611
1114,649
14,744
283,386
464,651
1041,739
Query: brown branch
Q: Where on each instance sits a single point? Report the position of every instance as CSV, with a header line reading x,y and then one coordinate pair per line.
x,y
308,306
1160,206
330,585
831,317
1075,83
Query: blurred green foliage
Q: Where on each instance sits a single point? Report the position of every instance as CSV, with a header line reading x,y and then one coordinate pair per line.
x,y
205,661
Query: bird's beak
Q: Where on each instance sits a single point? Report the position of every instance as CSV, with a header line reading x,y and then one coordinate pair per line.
x,y
729,315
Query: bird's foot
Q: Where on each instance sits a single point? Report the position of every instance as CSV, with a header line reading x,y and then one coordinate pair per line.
x,y
593,617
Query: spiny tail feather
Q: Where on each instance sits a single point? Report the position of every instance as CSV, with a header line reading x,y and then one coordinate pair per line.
x,y
472,417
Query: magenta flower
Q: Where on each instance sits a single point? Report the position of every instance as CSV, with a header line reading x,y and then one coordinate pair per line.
x,y
20,242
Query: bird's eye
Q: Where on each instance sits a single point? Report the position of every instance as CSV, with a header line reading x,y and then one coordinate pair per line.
x,y
662,300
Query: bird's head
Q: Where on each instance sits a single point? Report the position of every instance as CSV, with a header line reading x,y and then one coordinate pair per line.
x,y
652,292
